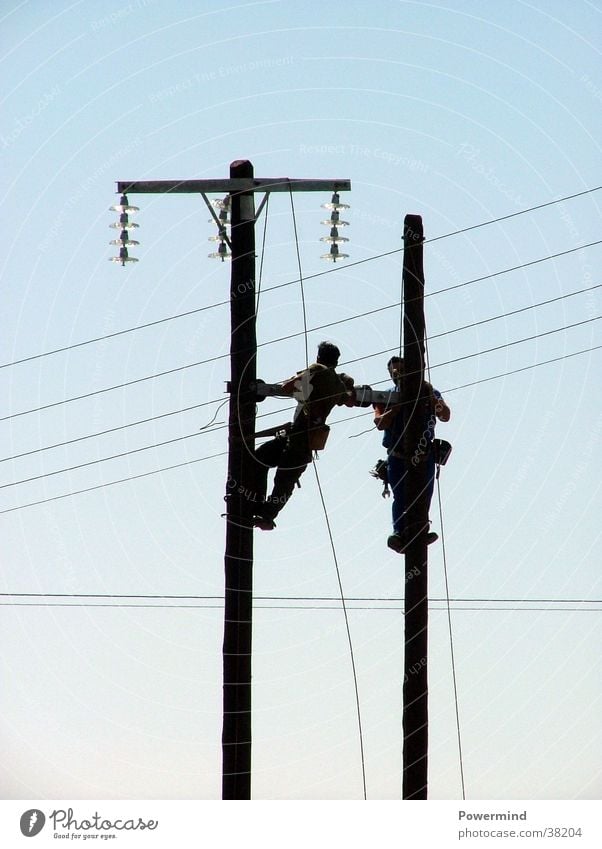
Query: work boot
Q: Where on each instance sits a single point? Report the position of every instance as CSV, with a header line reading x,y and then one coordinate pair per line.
x,y
397,543
264,524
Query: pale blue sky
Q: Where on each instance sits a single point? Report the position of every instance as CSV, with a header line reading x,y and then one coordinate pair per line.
x,y
461,112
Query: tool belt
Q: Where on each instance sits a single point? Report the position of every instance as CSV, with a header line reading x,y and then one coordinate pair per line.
x,y
278,430
316,435
440,447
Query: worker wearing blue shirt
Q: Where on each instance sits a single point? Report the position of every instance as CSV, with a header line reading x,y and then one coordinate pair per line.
x,y
392,420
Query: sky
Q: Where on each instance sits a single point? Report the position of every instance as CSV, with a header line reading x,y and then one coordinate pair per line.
x,y
111,505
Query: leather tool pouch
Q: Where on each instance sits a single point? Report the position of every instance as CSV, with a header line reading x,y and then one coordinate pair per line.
x,y
318,436
442,450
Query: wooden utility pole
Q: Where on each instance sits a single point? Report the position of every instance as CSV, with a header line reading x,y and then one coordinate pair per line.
x,y
240,486
238,561
415,682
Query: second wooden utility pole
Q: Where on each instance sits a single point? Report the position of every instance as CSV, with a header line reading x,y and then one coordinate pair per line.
x,y
415,682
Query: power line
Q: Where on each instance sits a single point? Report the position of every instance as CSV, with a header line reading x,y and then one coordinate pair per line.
x,y
292,282
112,483
113,335
440,291
109,430
358,359
515,214
221,427
103,459
325,598
447,235
217,400
477,323
514,312
525,368
491,350
520,341
306,607
513,268
111,388
280,339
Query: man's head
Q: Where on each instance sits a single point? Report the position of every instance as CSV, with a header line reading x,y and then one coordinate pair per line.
x,y
395,366
328,354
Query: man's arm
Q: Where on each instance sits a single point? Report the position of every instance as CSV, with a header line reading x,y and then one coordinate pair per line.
x,y
288,387
348,397
442,411
383,417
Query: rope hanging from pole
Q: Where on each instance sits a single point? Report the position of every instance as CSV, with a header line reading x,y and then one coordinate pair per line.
x,y
328,527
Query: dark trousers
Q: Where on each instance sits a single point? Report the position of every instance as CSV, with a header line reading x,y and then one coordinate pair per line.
x,y
290,456
396,472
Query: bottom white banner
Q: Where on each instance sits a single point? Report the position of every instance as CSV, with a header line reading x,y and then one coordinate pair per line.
x,y
294,824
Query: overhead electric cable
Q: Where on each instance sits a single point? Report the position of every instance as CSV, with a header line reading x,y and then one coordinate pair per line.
x,y
515,214
269,342
520,341
306,607
116,333
111,483
513,268
309,277
275,412
384,599
103,459
486,350
358,359
111,388
525,368
261,345
108,430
